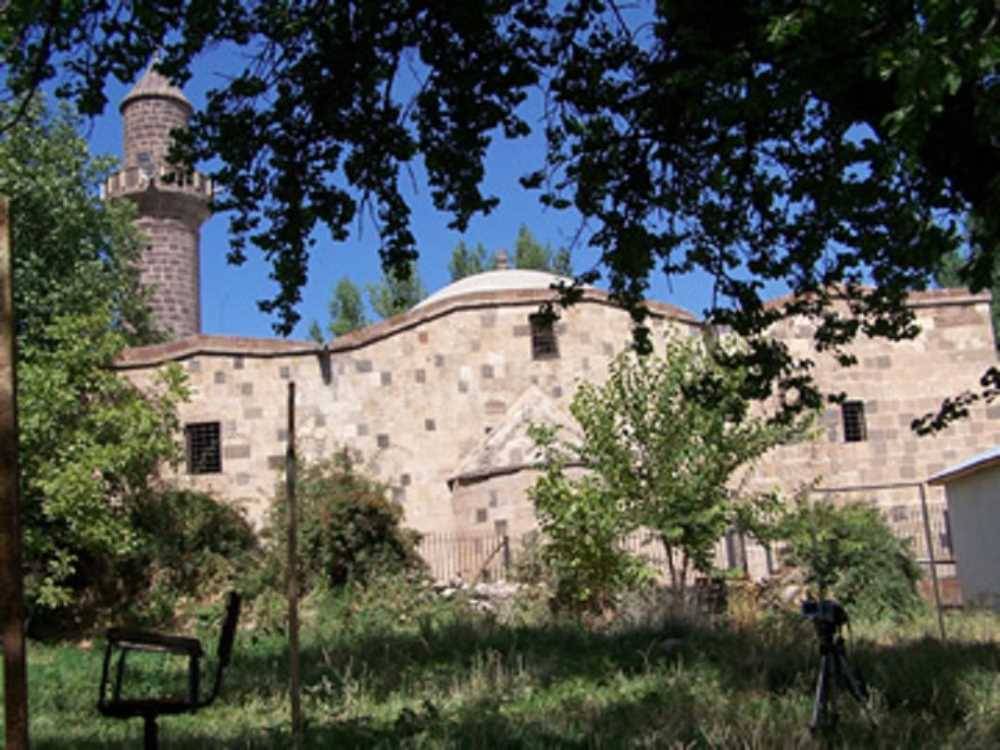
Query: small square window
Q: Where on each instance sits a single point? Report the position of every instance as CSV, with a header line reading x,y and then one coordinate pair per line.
x,y
203,442
853,414
543,338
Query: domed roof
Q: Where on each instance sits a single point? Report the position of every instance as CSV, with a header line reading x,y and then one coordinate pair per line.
x,y
153,83
507,279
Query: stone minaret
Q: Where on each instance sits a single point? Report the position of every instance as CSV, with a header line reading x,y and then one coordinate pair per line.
x,y
170,213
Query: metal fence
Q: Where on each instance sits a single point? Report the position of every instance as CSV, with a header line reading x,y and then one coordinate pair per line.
x,y
467,558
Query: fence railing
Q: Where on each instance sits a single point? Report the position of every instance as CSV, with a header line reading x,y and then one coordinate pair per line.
x,y
491,557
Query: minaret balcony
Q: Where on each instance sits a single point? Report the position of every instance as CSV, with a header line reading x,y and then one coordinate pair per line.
x,y
134,180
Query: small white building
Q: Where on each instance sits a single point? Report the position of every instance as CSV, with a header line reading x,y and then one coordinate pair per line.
x,y
972,488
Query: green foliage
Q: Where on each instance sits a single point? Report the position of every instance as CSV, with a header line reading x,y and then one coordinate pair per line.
x,y
348,529
663,440
815,145
347,309
465,262
397,292
583,525
90,442
850,553
395,665
189,547
529,253
73,252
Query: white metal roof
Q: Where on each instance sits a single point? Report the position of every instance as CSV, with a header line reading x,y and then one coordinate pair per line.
x,y
977,463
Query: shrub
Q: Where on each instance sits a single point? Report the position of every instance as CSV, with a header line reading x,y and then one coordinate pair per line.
x,y
348,530
850,552
189,546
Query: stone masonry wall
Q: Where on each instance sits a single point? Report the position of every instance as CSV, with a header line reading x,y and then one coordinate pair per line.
x,y
148,122
419,397
413,403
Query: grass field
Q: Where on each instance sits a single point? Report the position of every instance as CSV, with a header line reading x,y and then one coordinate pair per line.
x,y
396,667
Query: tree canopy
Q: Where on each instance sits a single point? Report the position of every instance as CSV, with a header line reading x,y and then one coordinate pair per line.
x,y
396,293
656,459
89,440
838,147
529,253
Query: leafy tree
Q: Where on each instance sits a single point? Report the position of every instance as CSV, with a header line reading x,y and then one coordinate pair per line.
x,y
89,440
465,262
396,293
659,458
531,254
849,552
561,263
528,252
583,523
347,309
349,530
814,144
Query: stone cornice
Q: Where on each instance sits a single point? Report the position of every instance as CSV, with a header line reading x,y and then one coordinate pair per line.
x,y
925,298
150,356
157,354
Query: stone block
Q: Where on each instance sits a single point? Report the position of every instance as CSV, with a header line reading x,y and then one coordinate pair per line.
x,y
236,451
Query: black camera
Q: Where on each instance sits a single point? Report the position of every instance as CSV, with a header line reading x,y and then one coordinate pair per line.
x,y
824,612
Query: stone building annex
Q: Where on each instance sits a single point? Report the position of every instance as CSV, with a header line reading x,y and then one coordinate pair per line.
x,y
437,399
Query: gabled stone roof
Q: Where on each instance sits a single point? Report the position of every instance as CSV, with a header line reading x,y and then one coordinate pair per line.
x,y
509,447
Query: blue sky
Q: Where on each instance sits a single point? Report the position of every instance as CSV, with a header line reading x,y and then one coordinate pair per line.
x,y
230,293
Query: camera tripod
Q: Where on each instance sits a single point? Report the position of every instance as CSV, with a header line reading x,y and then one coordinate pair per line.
x,y
834,672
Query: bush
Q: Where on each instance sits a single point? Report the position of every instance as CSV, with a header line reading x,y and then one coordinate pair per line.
x,y
850,552
348,530
189,546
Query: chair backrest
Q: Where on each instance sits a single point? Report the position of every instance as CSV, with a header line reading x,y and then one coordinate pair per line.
x,y
225,650
228,633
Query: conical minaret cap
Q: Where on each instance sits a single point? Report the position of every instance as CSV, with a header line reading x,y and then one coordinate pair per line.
x,y
154,84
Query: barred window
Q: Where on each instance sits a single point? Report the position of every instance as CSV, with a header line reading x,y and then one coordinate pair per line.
x,y
204,448
543,338
853,414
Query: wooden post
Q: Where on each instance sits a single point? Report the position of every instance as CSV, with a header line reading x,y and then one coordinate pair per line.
x,y
15,675
928,540
291,466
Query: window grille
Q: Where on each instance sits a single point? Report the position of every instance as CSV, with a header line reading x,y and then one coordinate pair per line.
x,y
204,448
855,429
543,338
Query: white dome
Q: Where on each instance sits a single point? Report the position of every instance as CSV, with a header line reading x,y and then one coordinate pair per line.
x,y
492,281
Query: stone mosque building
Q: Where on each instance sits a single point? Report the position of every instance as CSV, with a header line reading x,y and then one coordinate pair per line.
x,y
437,400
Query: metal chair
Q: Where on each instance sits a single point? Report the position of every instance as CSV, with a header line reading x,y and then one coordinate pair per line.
x,y
152,708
